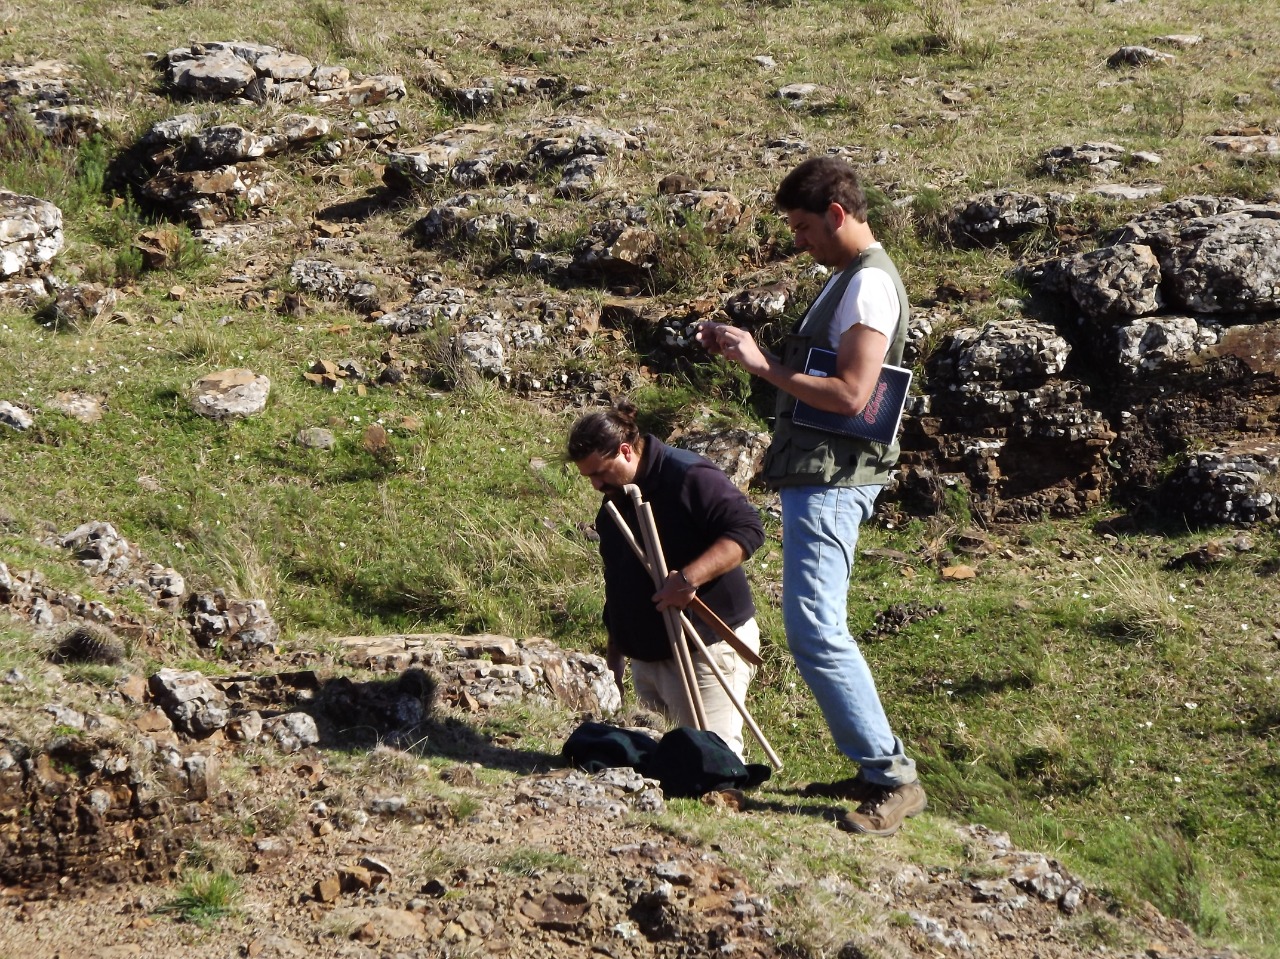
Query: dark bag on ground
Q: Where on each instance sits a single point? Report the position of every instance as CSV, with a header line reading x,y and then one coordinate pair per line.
x,y
690,762
687,762
595,746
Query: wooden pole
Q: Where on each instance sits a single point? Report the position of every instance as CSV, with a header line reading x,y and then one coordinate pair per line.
x,y
657,565
733,697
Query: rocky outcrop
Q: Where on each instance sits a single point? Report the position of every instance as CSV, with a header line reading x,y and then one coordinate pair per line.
x,y
468,219
482,671
1232,486
1000,417
616,253
1179,317
207,173
30,233
476,154
31,598
997,217
1097,160
45,92
245,626
221,70
83,811
490,94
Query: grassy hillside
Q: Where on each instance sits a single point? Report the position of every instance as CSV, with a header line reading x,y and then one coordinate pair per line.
x,y
1079,692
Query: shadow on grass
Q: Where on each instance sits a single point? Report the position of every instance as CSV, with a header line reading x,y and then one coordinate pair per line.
x,y
976,687
384,199
823,810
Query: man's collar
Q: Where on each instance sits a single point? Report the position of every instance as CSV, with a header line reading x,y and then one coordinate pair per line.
x,y
647,458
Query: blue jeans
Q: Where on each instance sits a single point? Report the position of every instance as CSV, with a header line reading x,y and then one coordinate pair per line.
x,y
819,533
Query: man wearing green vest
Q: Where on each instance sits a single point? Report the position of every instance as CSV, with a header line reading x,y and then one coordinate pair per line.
x,y
828,482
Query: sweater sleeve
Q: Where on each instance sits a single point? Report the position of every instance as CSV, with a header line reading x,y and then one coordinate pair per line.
x,y
722,509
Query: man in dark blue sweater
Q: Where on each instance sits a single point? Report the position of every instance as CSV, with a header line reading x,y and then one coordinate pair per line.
x,y
708,528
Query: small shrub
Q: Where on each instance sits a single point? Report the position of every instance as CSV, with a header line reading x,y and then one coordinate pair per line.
x,y
335,20
1166,870
1139,604
129,264
931,211
687,259
942,24
97,71
880,14
464,807
956,504
1162,108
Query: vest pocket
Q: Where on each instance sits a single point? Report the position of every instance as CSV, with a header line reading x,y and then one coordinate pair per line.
x,y
804,454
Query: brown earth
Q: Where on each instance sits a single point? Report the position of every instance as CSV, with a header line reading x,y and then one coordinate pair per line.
x,y
368,850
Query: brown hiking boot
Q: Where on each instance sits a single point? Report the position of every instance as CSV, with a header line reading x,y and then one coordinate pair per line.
x,y
851,789
883,813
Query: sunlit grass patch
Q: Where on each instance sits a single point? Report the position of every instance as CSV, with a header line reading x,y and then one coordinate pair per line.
x,y
204,898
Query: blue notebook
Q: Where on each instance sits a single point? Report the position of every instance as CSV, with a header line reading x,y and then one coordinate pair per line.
x,y
879,419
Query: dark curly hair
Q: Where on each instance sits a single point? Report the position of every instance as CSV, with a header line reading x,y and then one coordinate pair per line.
x,y
820,181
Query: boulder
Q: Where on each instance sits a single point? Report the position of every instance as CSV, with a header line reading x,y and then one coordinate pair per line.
x,y
215,75
30,232
1228,263
230,394
425,164
717,211
740,453
998,216
616,251
194,705
1116,281
1009,354
1139,56
15,417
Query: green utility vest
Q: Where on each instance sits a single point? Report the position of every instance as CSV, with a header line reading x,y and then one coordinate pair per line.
x,y
799,456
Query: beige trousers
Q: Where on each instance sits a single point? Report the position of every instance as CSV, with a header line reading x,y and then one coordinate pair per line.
x,y
658,686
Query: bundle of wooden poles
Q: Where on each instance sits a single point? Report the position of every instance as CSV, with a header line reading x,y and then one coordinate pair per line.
x,y
678,625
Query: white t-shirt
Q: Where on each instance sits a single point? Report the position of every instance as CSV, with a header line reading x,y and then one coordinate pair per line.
x,y
870,299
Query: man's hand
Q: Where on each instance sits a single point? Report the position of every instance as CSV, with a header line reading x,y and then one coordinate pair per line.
x,y
676,593
734,344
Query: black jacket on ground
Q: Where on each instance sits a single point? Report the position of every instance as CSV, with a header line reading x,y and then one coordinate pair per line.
x,y
694,504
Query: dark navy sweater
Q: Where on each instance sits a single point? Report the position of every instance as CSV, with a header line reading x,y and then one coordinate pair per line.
x,y
694,504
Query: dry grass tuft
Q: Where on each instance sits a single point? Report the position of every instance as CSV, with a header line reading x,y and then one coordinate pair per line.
x,y
1140,604
89,643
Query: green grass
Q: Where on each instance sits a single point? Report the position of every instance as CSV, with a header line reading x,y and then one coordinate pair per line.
x,y
204,898
531,861
1116,714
